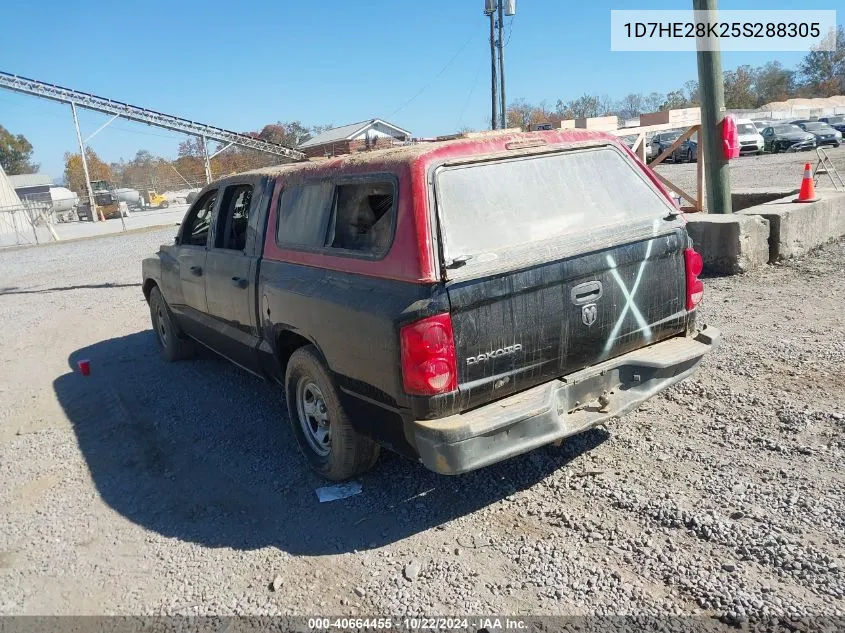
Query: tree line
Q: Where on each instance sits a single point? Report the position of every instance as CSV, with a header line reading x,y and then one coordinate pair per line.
x,y
819,74
187,170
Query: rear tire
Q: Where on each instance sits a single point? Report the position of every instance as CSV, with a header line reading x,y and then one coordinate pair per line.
x,y
165,204
172,343
322,429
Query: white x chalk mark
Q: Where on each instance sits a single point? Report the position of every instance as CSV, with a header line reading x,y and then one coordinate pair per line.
x,y
629,300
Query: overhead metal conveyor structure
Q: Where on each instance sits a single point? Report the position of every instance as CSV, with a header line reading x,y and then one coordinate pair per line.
x,y
143,115
118,109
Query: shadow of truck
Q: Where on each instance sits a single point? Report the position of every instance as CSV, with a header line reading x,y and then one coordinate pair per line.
x,y
202,451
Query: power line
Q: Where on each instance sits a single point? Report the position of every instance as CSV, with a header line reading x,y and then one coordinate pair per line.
x,y
469,96
437,76
510,30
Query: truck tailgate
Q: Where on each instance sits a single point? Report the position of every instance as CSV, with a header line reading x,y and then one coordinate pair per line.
x,y
518,329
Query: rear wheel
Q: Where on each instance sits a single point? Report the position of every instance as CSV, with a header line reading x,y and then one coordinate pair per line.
x,y
172,343
321,427
165,204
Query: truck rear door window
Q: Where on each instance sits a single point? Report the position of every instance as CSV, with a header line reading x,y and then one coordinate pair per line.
x,y
304,214
489,207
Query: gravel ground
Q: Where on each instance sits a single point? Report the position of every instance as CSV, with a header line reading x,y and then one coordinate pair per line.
x,y
154,488
754,172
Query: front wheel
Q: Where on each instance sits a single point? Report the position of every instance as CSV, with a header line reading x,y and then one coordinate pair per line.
x,y
171,342
165,204
321,427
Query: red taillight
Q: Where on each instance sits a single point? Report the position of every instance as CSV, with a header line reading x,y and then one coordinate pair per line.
x,y
428,356
695,288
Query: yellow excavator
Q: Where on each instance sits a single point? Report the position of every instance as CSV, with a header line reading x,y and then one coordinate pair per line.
x,y
155,200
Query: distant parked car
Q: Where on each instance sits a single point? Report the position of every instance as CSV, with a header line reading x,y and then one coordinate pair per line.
x,y
686,151
629,142
750,140
800,121
836,122
825,135
761,125
785,137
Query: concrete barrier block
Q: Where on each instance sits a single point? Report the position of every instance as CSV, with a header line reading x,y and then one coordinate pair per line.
x,y
731,243
743,198
798,227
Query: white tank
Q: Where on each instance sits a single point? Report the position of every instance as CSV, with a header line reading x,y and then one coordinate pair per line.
x,y
132,197
63,199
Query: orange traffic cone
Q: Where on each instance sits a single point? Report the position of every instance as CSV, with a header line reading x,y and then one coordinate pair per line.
x,y
808,186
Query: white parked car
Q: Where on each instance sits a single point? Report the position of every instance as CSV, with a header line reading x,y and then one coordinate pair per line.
x,y
750,139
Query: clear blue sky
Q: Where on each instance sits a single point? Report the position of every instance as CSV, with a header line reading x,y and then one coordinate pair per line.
x,y
241,65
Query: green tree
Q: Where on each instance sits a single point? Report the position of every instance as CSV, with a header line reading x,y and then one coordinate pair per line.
x,y
675,100
773,82
631,106
16,153
75,173
519,114
739,88
653,101
823,72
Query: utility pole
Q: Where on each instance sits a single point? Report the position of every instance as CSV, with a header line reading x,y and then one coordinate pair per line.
x,y
503,109
712,91
206,159
92,205
494,117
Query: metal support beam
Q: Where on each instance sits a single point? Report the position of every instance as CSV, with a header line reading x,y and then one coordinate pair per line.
x,y
712,90
494,117
222,149
181,176
503,105
101,128
208,178
92,204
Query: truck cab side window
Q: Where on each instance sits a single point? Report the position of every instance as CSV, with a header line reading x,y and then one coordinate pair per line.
x,y
233,218
198,221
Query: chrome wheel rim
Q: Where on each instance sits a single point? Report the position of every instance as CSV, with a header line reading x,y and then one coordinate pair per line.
x,y
162,328
313,416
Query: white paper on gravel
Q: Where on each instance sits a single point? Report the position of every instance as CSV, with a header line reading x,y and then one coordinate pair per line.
x,y
338,491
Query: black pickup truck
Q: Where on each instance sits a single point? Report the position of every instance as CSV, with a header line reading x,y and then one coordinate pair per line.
x,y
458,302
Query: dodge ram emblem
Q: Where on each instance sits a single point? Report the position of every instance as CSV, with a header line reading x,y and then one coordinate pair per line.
x,y
589,313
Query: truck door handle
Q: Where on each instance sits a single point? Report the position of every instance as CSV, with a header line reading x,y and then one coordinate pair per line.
x,y
239,282
196,270
586,292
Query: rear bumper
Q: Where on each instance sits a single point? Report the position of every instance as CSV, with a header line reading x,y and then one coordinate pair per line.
x,y
557,409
